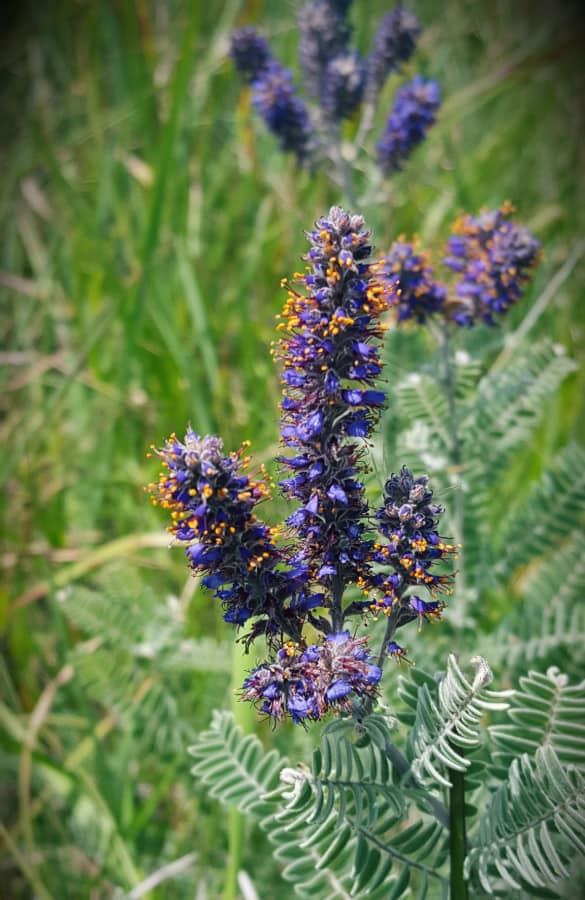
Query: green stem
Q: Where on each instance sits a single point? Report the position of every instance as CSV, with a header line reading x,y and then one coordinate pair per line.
x,y
346,172
457,843
344,167
402,767
235,835
245,716
449,379
337,605
388,635
366,123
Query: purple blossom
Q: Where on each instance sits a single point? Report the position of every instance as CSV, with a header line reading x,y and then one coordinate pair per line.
x,y
418,295
324,34
308,683
394,44
493,258
285,115
413,113
397,652
250,52
332,332
409,520
343,86
212,503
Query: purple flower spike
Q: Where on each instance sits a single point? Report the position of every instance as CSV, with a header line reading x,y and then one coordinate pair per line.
x,y
250,52
212,504
418,295
394,45
409,520
343,87
285,115
324,36
493,257
331,336
413,113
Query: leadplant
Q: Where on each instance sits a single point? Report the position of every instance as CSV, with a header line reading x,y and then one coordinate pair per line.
x,y
416,798
399,801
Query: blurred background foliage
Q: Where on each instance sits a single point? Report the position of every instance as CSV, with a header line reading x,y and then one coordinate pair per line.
x,y
146,221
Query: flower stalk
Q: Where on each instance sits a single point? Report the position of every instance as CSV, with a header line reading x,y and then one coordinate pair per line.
x,y
457,841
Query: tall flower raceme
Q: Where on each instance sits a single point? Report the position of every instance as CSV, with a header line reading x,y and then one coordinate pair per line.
x,y
330,364
339,82
212,504
278,581
250,53
285,114
413,550
343,88
417,293
492,257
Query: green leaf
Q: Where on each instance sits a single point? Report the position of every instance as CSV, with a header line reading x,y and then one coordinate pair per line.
x,y
546,712
533,827
448,718
235,768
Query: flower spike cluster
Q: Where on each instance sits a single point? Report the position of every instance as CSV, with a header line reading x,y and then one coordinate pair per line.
x,y
330,359
324,35
288,584
338,82
343,88
307,684
250,53
493,257
285,114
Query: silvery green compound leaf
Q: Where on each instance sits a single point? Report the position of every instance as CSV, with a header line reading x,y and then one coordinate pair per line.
x,y
448,720
546,712
235,768
534,827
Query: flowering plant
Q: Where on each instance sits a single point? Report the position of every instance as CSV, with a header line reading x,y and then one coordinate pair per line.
x,y
336,560
329,351
382,808
339,84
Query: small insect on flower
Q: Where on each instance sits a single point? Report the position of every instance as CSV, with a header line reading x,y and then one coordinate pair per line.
x,y
398,653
